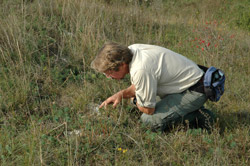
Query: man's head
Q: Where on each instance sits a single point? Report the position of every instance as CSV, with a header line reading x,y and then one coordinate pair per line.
x,y
111,57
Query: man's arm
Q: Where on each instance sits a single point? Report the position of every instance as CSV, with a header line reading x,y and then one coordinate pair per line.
x,y
146,110
116,98
126,93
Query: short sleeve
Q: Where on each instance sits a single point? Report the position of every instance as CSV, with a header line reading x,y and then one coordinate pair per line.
x,y
146,88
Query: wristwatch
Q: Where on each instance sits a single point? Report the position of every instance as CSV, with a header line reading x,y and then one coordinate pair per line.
x,y
134,101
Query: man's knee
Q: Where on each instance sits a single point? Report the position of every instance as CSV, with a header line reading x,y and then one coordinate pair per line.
x,y
158,123
155,123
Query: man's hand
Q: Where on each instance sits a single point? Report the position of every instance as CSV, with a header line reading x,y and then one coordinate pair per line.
x,y
115,99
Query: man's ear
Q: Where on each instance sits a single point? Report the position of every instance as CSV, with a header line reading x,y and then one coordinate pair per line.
x,y
125,66
122,65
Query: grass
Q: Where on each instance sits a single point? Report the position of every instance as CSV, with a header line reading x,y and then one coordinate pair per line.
x,y
47,86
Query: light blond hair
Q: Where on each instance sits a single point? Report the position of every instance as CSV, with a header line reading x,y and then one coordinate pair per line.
x,y
111,56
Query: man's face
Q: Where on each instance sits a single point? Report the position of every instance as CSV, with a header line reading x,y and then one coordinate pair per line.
x,y
120,74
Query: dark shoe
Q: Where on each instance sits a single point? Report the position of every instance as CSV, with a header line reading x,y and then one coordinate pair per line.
x,y
205,119
202,118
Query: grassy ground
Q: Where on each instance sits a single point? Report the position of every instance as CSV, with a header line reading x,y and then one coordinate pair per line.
x,y
46,84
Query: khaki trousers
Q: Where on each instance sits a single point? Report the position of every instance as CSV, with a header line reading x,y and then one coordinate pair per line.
x,y
178,108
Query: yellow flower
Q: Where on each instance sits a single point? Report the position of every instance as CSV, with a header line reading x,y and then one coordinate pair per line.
x,y
124,151
119,149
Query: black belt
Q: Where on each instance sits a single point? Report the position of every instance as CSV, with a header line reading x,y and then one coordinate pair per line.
x,y
199,86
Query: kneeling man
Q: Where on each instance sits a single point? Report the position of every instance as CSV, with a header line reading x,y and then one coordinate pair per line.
x,y
156,71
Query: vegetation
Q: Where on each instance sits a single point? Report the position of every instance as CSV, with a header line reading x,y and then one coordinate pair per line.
x,y
47,88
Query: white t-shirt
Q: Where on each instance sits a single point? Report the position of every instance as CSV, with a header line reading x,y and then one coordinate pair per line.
x,y
157,71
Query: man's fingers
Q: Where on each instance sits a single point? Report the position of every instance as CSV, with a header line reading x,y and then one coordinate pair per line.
x,y
106,102
115,103
103,104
